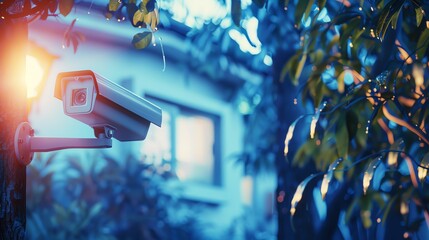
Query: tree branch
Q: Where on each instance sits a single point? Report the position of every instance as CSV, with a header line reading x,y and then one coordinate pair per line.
x,y
39,7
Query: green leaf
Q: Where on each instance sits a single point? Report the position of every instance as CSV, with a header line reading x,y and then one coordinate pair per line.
x,y
346,17
334,42
308,9
352,120
138,17
365,212
304,153
298,193
142,40
422,44
342,137
392,156
351,208
289,135
65,6
340,81
328,177
369,174
394,22
319,91
299,69
387,208
317,56
114,5
419,15
422,168
321,4
95,210
386,16
300,9
236,12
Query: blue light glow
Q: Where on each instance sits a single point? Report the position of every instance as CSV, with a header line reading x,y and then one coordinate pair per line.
x,y
348,78
268,60
244,45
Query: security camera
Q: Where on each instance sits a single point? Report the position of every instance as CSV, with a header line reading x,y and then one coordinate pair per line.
x,y
100,103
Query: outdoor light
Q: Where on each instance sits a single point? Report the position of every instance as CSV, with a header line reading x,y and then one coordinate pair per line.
x,y
33,76
111,110
38,63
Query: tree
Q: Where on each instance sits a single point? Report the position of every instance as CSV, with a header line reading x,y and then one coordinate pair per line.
x,y
13,36
14,17
361,67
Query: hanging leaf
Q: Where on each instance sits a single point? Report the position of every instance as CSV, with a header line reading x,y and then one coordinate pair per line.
x,y
138,17
289,135
315,118
65,6
154,20
328,177
150,5
422,44
392,157
308,9
369,174
53,6
346,17
423,168
388,208
114,5
342,137
386,16
300,67
236,12
321,4
419,15
404,208
142,40
366,218
304,153
302,11
317,56
340,82
73,37
373,114
298,193
288,66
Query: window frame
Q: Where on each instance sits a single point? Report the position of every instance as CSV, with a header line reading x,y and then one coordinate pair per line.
x,y
176,109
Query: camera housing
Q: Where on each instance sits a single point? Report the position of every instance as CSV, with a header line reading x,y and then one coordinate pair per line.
x,y
100,103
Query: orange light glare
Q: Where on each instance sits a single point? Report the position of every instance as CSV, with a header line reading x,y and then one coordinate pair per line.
x,y
33,76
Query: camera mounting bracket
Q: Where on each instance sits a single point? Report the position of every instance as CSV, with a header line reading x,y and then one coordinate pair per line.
x,y
26,144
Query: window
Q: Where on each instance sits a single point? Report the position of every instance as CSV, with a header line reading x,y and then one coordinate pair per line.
x,y
188,142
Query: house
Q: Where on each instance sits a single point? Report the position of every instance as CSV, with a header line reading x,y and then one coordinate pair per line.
x,y
201,132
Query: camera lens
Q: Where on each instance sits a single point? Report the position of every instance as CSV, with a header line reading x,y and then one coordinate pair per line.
x,y
79,97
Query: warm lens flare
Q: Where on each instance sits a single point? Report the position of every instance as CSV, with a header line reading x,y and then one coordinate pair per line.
x,y
33,77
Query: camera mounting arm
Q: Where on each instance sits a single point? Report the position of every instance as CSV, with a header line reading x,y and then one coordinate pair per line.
x,y
26,144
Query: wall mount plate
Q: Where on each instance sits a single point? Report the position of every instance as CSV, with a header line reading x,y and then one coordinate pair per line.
x,y
22,144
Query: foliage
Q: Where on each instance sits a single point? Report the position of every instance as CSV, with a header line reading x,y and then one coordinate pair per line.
x,y
144,15
105,199
361,65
